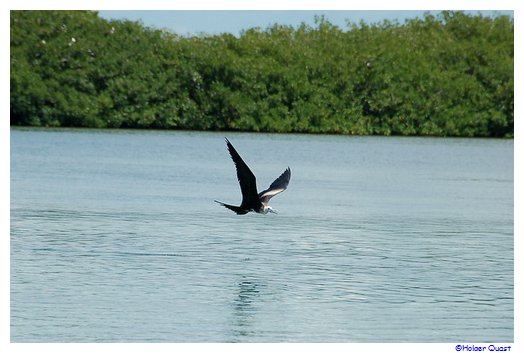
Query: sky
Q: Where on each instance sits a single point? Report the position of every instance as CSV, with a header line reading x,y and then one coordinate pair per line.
x,y
216,22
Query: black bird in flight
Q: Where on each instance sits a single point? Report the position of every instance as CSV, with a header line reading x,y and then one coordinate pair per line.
x,y
251,200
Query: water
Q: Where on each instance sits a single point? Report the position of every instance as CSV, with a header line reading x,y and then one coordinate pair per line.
x,y
115,238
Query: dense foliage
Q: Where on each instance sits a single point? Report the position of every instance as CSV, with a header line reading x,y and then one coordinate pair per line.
x,y
445,75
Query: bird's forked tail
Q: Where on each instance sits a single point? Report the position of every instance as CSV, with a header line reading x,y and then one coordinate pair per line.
x,y
235,209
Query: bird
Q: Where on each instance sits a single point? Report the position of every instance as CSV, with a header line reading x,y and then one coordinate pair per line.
x,y
251,200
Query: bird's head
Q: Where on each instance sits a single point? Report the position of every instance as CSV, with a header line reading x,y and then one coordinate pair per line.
x,y
270,209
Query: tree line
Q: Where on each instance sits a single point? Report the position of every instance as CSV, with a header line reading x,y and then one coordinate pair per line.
x,y
444,75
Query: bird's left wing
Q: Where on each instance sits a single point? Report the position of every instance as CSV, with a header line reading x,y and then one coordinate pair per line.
x,y
280,184
246,179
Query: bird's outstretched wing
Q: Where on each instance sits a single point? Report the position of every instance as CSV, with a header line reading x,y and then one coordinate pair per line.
x,y
276,187
246,179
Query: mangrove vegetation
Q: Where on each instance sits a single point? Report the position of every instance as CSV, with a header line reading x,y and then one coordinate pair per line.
x,y
444,75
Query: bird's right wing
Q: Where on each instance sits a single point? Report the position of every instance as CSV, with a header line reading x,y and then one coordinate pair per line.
x,y
280,184
246,178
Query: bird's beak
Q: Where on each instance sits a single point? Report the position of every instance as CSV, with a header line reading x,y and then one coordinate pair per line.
x,y
273,211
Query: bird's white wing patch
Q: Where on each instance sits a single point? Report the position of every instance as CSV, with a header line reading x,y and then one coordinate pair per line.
x,y
272,192
268,194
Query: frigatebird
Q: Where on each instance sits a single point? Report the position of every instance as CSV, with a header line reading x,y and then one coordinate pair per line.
x,y
251,200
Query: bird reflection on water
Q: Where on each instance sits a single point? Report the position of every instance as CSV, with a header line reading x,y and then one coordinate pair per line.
x,y
244,307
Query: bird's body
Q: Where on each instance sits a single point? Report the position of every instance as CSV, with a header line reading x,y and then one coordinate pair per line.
x,y
252,201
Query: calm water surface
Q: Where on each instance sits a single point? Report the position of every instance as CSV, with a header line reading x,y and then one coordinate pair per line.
x,y
115,238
